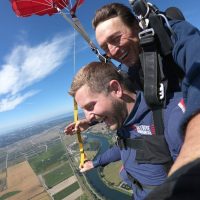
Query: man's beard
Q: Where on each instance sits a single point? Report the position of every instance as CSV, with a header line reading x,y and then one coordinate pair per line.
x,y
119,114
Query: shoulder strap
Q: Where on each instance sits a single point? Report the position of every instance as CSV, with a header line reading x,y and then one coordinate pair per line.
x,y
155,83
174,13
156,44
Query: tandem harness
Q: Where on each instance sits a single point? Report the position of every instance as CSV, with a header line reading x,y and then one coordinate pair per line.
x,y
156,47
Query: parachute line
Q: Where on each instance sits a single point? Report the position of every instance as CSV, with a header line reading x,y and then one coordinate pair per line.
x,y
74,61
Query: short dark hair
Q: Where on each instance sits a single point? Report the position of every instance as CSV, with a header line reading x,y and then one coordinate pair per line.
x,y
112,10
97,76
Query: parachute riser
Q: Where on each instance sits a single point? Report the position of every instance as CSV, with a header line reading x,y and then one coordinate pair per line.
x,y
75,23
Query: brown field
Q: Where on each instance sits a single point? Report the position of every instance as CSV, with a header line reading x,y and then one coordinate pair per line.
x,y
2,181
2,175
22,178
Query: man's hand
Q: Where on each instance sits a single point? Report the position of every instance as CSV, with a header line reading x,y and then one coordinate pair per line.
x,y
88,165
81,125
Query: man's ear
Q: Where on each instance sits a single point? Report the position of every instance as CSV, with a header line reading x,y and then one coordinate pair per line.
x,y
115,88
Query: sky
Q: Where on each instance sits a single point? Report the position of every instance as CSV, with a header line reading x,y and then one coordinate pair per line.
x,y
39,56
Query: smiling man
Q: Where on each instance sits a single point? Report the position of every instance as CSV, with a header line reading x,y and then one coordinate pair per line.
x,y
115,33
108,96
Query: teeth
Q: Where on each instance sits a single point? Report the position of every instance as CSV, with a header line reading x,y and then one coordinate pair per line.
x,y
100,119
123,55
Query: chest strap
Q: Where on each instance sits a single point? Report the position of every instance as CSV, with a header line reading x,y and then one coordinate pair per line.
x,y
149,149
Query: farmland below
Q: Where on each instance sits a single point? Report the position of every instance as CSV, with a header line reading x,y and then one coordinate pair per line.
x,y
45,165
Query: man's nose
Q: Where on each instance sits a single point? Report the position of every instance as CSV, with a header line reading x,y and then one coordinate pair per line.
x,y
112,50
89,115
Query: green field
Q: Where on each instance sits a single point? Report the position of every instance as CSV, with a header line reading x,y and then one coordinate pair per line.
x,y
9,194
111,173
83,197
58,175
67,191
54,156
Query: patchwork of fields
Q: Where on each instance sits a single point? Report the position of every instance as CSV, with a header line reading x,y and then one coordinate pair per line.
x,y
45,174
22,183
45,167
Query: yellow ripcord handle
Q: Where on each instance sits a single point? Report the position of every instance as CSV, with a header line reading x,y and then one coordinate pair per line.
x,y
82,153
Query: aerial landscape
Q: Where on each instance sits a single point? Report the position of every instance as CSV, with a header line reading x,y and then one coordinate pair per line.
x,y
40,162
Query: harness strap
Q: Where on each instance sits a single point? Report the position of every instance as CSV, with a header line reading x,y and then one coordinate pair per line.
x,y
158,120
140,185
155,83
150,149
156,43
165,42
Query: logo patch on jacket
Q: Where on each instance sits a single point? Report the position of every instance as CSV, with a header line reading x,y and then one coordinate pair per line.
x,y
144,129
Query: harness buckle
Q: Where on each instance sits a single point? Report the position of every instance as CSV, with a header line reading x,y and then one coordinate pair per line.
x,y
146,33
121,142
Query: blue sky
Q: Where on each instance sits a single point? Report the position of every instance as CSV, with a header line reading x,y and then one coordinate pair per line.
x,y
37,59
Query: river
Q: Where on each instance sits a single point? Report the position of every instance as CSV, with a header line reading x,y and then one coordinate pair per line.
x,y
95,180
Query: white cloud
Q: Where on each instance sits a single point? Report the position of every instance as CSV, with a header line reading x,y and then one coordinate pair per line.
x,y
26,65
10,102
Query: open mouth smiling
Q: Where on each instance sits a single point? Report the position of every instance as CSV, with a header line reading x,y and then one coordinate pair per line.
x,y
123,56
